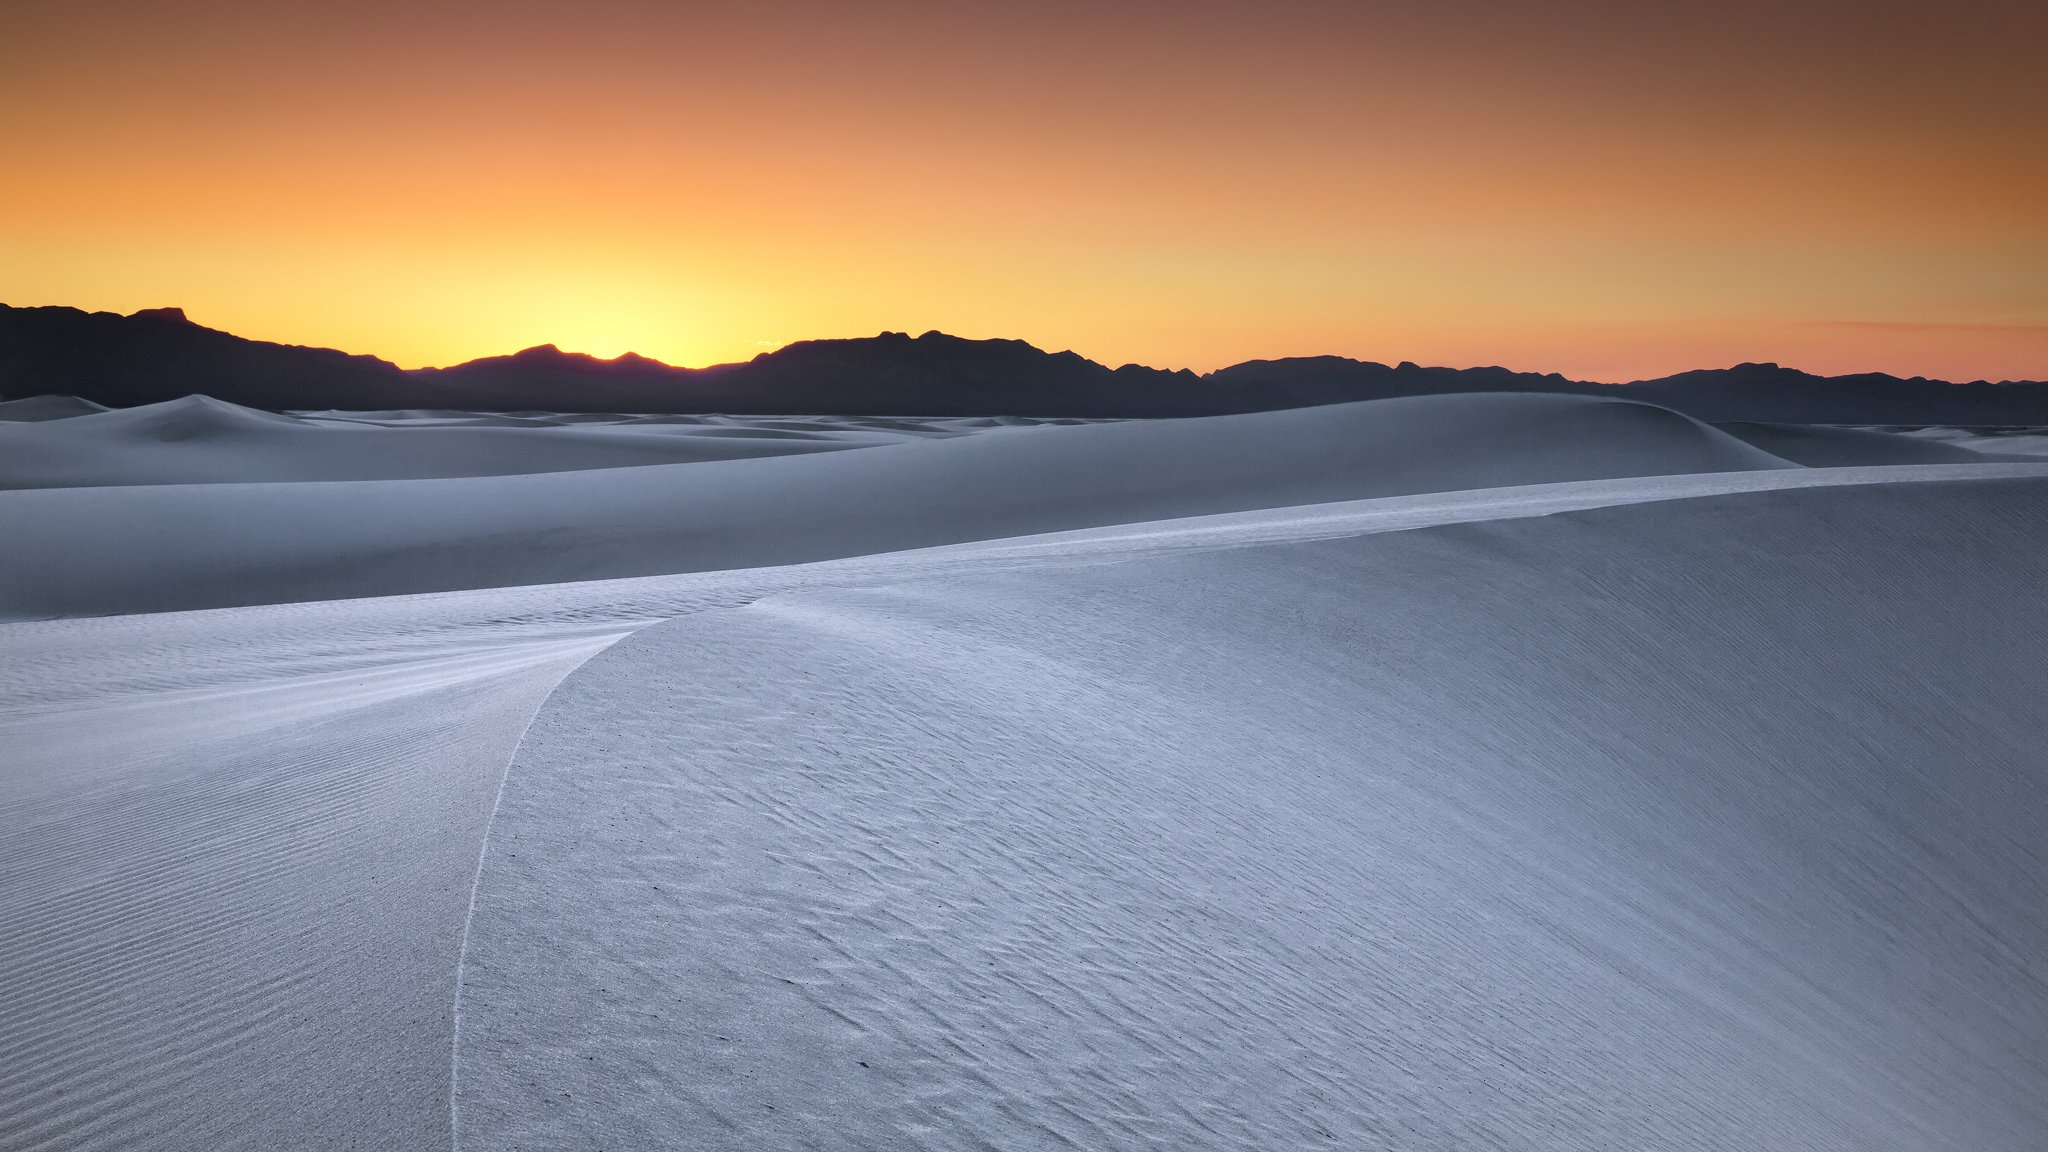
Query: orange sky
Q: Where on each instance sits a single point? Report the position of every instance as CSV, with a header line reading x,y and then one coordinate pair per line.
x,y
1611,190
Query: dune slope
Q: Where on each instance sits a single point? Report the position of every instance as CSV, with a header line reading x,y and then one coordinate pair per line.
x,y
1819,446
168,547
197,440
241,841
235,883
30,409
1708,824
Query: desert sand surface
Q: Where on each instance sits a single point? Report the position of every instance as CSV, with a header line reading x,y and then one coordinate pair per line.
x,y
2007,441
1456,772
141,547
199,440
37,408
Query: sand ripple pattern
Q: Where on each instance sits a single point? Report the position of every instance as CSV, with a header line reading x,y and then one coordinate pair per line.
x,y
1711,825
230,911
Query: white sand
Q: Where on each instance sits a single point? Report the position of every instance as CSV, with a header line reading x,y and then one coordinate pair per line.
x,y
1829,447
2002,441
171,547
1557,833
1692,802
201,441
37,408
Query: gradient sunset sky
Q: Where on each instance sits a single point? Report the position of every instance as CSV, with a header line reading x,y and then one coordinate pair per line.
x,y
1612,190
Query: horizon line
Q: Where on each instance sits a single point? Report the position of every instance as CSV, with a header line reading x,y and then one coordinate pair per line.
x,y
178,313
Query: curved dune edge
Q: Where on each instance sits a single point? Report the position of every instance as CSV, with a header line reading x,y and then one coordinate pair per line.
x,y
230,921
631,1083
476,876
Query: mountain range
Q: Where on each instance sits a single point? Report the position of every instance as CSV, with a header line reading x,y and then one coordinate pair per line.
x,y
159,354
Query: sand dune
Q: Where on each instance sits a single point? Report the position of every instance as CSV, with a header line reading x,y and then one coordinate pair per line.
x,y
2002,441
1616,830
1817,446
38,408
202,441
1425,774
914,425
170,547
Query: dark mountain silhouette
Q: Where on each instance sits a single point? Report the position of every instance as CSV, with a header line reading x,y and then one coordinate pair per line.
x,y
158,354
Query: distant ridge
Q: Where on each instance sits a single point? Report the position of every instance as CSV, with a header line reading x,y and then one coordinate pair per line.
x,y
159,354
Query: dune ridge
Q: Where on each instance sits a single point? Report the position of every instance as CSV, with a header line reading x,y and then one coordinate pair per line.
x,y
38,408
170,547
198,440
1816,446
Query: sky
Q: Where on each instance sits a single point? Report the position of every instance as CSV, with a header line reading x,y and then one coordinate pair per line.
x,y
1611,190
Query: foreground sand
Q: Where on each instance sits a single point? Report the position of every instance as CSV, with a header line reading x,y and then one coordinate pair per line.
x,y
1694,800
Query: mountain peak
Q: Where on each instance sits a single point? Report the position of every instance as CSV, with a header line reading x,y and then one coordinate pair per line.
x,y
173,314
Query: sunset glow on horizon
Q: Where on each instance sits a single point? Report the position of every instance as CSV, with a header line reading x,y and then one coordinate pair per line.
x,y
1609,190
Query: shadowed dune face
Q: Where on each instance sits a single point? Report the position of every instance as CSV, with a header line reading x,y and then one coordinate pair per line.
x,y
2030,443
198,440
1817,446
240,543
38,408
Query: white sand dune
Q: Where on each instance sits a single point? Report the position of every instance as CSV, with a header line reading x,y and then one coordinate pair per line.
x,y
39,408
1818,446
201,441
1691,801
1715,824
2000,441
158,548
